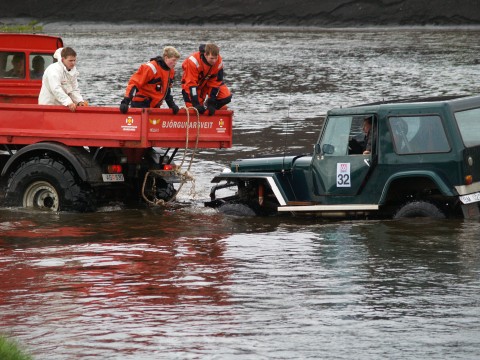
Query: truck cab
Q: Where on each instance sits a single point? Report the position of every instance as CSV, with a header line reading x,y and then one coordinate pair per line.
x,y
23,58
423,160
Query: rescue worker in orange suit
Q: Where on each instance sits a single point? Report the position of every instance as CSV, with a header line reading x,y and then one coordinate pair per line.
x,y
203,78
152,83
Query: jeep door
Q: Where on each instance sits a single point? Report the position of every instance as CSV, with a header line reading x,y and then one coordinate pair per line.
x,y
339,166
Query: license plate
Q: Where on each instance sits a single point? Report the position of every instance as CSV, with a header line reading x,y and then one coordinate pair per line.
x,y
112,177
470,198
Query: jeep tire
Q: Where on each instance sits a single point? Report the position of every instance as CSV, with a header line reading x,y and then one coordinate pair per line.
x,y
232,209
419,209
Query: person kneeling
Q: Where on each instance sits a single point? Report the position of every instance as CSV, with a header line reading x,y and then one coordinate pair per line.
x,y
152,83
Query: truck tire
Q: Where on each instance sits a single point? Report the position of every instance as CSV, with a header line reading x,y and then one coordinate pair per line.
x,y
236,210
47,184
419,209
165,191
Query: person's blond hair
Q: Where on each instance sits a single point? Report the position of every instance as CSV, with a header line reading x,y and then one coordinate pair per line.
x,y
170,52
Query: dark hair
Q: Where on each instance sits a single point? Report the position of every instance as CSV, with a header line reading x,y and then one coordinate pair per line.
x,y
17,57
37,60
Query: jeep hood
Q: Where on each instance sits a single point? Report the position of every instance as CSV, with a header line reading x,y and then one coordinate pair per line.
x,y
267,164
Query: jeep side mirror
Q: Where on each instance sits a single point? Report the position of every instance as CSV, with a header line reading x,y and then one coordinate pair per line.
x,y
328,149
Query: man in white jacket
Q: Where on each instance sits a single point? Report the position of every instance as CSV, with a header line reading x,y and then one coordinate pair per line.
x,y
59,82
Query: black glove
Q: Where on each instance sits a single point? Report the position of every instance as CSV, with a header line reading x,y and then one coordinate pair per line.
x,y
124,105
171,104
201,109
174,108
212,105
211,109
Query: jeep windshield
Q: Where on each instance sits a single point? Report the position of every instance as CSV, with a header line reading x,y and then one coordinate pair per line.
x,y
343,135
468,122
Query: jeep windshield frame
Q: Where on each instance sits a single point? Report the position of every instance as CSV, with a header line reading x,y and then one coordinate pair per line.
x,y
344,135
334,141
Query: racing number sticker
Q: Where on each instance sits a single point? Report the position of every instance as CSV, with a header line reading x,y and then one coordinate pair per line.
x,y
343,175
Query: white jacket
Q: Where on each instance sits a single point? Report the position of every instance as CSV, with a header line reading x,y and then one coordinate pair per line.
x,y
59,86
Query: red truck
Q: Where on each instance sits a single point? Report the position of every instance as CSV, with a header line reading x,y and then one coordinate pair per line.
x,y
55,159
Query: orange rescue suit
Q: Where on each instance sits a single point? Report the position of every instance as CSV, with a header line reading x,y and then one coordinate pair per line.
x,y
151,84
200,79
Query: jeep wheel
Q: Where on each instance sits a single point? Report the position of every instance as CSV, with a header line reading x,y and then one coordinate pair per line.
x,y
419,209
236,210
46,184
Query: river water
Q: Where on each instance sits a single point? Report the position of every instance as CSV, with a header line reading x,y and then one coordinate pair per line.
x,y
185,282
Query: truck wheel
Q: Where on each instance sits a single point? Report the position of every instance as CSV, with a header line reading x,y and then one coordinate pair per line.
x,y
419,209
47,184
236,210
165,191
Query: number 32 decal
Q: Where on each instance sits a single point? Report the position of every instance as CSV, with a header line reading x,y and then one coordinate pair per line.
x,y
343,175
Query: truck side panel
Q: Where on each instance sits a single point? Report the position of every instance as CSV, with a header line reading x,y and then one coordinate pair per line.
x,y
106,126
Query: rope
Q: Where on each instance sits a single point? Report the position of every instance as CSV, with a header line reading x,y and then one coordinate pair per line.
x,y
184,176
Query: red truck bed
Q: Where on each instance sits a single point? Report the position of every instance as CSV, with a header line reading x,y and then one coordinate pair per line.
x,y
106,126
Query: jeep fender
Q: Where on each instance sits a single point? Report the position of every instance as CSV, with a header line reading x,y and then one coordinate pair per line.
x,y
442,186
84,166
270,179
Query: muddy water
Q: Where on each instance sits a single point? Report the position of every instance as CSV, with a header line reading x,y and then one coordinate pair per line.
x,y
183,282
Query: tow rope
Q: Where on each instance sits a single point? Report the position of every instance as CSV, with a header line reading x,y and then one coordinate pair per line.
x,y
184,176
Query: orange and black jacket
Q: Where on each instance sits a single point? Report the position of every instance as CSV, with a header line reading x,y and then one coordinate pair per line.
x,y
200,78
151,83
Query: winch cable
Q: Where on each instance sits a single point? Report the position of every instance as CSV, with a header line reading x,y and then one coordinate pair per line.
x,y
184,176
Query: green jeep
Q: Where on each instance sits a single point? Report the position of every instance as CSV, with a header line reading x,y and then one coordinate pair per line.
x,y
424,161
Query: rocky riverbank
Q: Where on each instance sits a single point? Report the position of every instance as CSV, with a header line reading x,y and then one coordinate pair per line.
x,y
251,12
